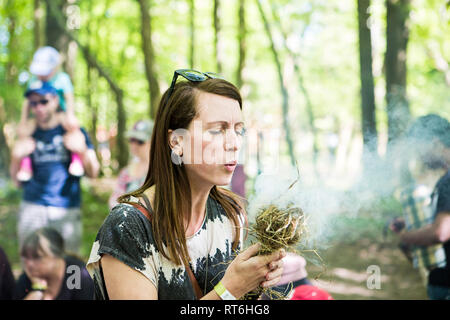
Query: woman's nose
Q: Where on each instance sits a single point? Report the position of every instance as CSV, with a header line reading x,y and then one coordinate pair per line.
x,y
232,141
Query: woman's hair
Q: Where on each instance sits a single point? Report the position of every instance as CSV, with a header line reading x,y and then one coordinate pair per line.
x,y
172,189
35,246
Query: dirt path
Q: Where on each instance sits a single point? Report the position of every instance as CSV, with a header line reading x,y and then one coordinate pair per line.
x,y
351,268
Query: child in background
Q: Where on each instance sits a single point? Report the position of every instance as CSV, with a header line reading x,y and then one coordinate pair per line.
x,y
45,68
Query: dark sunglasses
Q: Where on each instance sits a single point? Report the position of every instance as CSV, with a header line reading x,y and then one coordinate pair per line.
x,y
139,142
191,75
34,104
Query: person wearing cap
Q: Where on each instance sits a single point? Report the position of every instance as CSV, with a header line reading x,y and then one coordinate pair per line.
x,y
45,68
52,196
132,176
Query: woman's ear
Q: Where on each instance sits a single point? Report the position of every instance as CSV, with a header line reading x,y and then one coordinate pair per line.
x,y
175,142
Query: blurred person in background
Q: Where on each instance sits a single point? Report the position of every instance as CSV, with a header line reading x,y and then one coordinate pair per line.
x,y
133,175
49,273
52,197
294,283
45,68
430,139
7,281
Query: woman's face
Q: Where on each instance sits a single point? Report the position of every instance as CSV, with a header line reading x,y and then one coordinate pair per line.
x,y
214,138
41,266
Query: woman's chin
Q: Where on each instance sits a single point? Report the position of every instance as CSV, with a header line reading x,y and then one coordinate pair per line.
x,y
222,182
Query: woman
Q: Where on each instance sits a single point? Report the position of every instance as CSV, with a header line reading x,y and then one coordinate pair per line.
x,y
133,176
187,249
49,274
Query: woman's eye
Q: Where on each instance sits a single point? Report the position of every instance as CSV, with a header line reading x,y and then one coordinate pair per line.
x,y
215,132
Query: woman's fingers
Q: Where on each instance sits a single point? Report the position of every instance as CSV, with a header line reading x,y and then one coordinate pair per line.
x,y
273,277
275,256
250,251
276,264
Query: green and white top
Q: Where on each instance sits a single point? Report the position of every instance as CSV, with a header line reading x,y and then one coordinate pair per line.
x,y
126,234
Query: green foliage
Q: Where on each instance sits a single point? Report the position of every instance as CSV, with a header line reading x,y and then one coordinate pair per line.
x,y
323,35
9,206
94,210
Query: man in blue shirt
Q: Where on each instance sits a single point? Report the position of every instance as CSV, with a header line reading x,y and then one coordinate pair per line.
x,y
52,197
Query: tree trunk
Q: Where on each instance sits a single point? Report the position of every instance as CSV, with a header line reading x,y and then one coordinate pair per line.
x,y
4,150
55,35
241,39
91,84
37,28
122,145
149,57
309,106
398,112
397,34
191,53
368,119
283,90
11,69
217,36
10,100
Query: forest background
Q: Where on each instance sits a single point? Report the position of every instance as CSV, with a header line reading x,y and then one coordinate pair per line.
x,y
327,85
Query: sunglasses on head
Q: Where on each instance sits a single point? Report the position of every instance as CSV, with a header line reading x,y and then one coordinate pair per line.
x,y
191,75
139,142
34,104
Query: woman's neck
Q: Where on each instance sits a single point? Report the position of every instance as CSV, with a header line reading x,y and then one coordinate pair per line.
x,y
199,196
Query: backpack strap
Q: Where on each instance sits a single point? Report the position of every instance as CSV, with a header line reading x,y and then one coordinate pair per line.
x,y
146,211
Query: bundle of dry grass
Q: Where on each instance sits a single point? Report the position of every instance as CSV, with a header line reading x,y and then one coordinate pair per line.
x,y
277,228
279,225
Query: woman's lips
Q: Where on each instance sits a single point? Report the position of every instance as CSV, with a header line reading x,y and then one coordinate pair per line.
x,y
230,166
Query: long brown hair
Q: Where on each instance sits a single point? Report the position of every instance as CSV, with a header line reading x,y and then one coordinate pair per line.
x,y
172,189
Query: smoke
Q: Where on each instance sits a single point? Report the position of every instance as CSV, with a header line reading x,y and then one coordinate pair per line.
x,y
343,214
320,205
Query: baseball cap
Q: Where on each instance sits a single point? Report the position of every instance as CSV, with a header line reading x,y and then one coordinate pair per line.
x,y
310,292
142,130
41,88
45,59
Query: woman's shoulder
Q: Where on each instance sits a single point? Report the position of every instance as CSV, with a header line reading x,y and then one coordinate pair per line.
x,y
125,220
124,213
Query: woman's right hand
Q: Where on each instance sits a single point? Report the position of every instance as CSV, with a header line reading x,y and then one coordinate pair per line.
x,y
248,271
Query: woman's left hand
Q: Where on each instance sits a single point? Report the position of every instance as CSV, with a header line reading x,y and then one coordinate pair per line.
x,y
273,277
